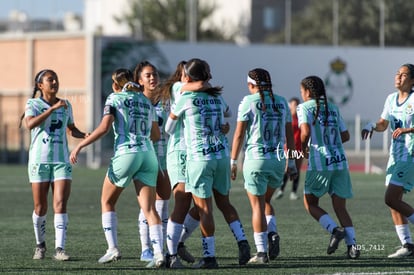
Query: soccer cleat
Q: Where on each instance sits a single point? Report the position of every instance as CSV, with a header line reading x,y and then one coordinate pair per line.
x,y
147,255
279,194
184,254
337,235
207,263
157,261
274,248
405,251
259,258
353,252
112,254
244,252
293,196
39,253
60,255
174,262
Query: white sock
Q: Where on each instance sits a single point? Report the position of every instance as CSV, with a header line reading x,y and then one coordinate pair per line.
x,y
260,240
404,234
61,223
327,223
411,218
238,231
39,226
173,236
110,227
271,223
143,231
190,224
162,209
350,235
209,249
155,232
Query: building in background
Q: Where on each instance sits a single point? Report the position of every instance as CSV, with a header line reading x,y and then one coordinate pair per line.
x,y
20,22
252,21
85,59
232,16
269,17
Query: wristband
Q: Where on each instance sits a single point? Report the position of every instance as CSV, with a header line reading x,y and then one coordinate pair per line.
x,y
233,162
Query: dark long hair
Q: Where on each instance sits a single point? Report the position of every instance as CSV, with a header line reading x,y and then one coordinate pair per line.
x,y
263,82
317,91
137,75
38,79
199,70
411,69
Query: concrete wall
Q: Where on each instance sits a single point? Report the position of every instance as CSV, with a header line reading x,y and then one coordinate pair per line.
x,y
371,70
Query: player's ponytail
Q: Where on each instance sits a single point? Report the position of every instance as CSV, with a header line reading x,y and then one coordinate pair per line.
x,y
199,70
261,78
317,91
38,79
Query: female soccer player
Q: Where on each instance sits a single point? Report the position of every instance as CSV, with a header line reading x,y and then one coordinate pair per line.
x,y
398,112
146,75
135,126
265,120
47,117
322,133
208,172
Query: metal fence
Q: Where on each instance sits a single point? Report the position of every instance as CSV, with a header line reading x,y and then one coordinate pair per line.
x,y
14,143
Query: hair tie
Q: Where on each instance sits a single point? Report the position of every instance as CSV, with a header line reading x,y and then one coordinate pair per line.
x,y
124,88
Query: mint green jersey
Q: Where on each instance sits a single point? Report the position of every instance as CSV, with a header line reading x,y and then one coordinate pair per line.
x,y
326,152
163,111
49,142
202,116
134,115
176,141
266,131
400,116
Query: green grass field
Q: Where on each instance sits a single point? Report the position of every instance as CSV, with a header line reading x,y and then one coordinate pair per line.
x,y
303,241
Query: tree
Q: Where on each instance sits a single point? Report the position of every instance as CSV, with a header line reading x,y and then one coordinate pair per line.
x,y
167,20
398,29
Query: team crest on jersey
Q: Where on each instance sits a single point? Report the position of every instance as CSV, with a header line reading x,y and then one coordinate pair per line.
x,y
35,169
409,110
338,83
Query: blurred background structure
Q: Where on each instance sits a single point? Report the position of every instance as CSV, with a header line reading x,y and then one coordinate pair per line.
x,y
356,46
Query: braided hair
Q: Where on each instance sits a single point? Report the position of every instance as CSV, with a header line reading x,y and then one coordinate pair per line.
x,y
261,78
317,91
38,79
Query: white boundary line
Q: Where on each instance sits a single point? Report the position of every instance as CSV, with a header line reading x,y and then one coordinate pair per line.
x,y
372,273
